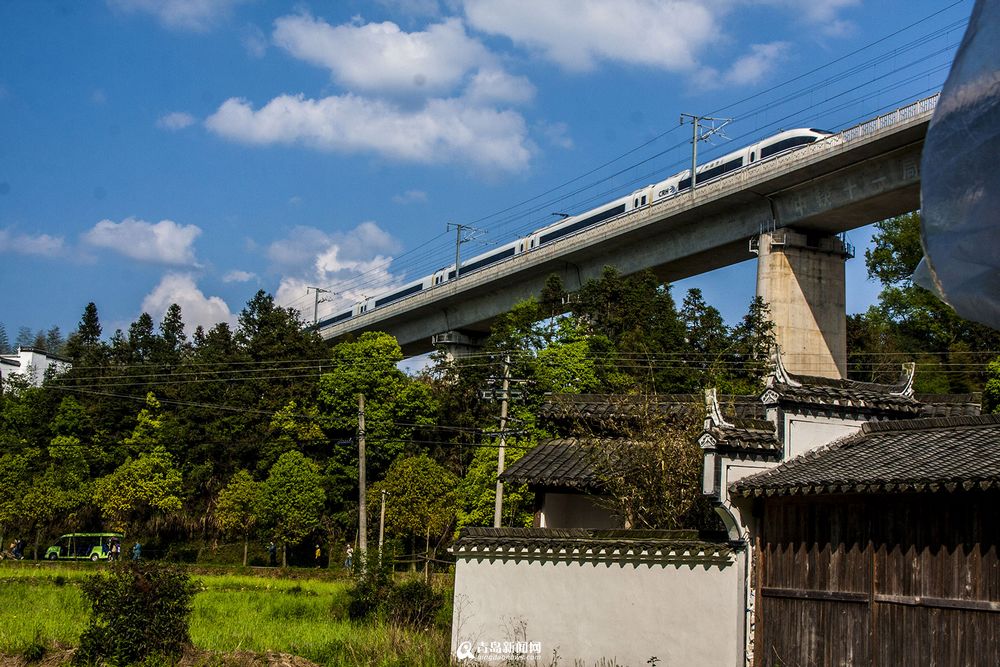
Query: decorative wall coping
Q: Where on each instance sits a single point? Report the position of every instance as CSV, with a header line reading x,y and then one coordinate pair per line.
x,y
675,547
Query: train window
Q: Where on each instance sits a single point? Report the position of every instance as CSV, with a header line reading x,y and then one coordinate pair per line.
x,y
784,145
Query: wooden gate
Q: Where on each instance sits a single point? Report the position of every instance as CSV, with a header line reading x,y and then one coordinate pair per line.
x,y
903,579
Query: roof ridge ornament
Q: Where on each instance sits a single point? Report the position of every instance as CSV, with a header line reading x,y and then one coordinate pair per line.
x,y
780,373
909,371
714,411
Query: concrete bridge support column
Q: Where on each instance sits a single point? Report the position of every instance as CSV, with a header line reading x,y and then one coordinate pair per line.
x,y
801,277
457,344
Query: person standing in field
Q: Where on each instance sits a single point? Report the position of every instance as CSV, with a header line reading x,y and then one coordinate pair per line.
x,y
136,551
350,557
318,555
272,553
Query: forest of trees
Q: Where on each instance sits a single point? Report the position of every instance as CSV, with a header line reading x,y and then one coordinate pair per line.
x,y
249,434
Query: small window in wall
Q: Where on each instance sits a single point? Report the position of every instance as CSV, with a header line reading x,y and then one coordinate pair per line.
x,y
752,154
644,200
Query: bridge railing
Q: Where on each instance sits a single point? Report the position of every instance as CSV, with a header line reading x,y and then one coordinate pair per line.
x,y
753,172
901,115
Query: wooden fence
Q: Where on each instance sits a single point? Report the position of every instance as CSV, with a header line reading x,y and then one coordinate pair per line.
x,y
903,579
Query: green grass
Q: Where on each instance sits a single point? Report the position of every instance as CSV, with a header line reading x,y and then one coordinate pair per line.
x,y
231,612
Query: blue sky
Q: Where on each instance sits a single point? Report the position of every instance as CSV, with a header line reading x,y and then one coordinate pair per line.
x,y
195,151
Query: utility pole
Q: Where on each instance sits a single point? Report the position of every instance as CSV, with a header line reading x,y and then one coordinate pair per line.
x,y
362,510
504,397
695,138
473,233
381,529
316,300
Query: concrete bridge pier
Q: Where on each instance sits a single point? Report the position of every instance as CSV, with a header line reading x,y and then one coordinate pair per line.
x,y
801,276
458,344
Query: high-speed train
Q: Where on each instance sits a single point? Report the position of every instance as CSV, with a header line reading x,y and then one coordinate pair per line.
x,y
765,149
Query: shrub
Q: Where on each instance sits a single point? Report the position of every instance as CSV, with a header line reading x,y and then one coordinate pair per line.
x,y
372,585
413,603
140,611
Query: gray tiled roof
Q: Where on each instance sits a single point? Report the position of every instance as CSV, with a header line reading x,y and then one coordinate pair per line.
x,y
829,392
756,435
950,405
892,456
568,540
584,407
560,462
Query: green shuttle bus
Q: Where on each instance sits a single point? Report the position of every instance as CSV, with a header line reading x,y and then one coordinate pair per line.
x,y
78,546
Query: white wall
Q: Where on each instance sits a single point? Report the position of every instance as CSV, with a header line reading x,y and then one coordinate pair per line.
x,y
32,364
806,433
684,613
575,510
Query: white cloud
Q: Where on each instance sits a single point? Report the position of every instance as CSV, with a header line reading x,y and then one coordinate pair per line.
x,y
356,263
821,13
556,134
175,120
237,276
42,245
577,34
444,130
163,242
194,15
196,308
410,197
254,41
753,67
489,86
381,57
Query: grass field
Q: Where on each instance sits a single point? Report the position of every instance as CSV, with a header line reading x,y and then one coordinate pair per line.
x,y
42,604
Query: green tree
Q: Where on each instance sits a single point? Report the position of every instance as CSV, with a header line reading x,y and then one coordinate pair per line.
x,y
292,428
142,339
477,491
148,429
172,338
84,346
14,471
420,499
922,327
750,350
292,500
54,341
991,392
707,339
396,405
146,486
638,316
567,364
237,509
